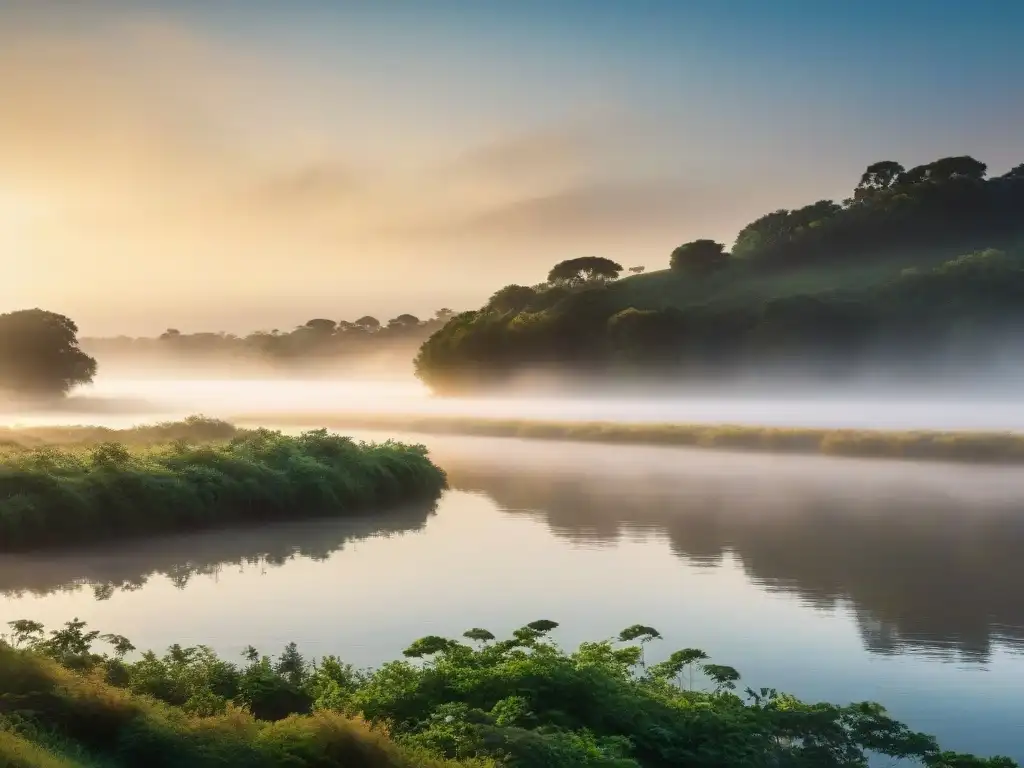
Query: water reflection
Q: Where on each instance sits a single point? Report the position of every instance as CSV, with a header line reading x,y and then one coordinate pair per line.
x,y
128,566
931,559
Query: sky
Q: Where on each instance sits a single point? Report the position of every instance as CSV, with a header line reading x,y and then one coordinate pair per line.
x,y
246,165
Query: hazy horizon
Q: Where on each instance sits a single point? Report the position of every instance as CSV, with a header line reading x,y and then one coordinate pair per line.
x,y
235,167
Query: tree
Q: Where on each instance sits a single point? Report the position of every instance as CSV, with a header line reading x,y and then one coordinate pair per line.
x,y
321,326
511,298
584,269
403,322
444,313
700,257
945,169
881,175
368,323
1017,172
39,354
636,270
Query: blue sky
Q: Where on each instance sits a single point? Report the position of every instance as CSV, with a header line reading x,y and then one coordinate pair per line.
x,y
358,139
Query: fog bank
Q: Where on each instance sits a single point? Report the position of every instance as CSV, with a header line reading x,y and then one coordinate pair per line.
x,y
123,401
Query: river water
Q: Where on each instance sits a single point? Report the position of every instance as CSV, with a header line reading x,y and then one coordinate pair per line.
x,y
833,579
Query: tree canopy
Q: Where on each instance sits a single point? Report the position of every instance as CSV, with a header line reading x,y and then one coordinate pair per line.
x,y
583,269
700,257
39,354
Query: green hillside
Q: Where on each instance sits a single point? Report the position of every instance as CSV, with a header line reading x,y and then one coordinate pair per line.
x,y
924,261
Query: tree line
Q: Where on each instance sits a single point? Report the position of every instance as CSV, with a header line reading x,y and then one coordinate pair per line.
x,y
583,318
42,356
316,339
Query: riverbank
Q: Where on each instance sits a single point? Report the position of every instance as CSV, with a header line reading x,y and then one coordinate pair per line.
x,y
75,485
518,702
986,447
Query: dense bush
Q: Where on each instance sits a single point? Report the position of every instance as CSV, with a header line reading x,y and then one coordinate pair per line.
x,y
522,702
53,496
52,717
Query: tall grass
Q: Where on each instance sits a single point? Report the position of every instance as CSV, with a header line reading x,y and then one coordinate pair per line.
x,y
60,495
123,729
194,428
980,447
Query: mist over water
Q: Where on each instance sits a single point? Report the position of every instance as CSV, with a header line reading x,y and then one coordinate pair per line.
x,y
119,401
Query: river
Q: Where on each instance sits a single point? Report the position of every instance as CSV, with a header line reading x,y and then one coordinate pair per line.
x,y
833,579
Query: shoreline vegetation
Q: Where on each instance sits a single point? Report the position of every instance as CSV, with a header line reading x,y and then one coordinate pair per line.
x,y
982,447
71,485
476,701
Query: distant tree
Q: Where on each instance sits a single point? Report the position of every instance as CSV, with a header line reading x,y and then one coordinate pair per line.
x,y
403,322
700,257
170,333
945,169
962,167
881,175
583,269
321,326
1017,172
636,270
511,298
39,354
368,323
443,313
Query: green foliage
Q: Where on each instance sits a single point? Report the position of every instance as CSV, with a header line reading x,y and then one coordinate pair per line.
x,y
53,717
53,496
39,354
521,702
823,285
962,311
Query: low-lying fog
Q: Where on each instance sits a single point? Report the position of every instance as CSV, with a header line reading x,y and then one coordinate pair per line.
x,y
124,400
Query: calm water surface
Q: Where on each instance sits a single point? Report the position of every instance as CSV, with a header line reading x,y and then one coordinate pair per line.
x,y
833,579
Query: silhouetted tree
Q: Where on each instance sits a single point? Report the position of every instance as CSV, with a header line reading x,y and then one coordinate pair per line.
x,y
39,354
1017,172
700,257
403,322
368,323
322,326
636,270
575,271
880,175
